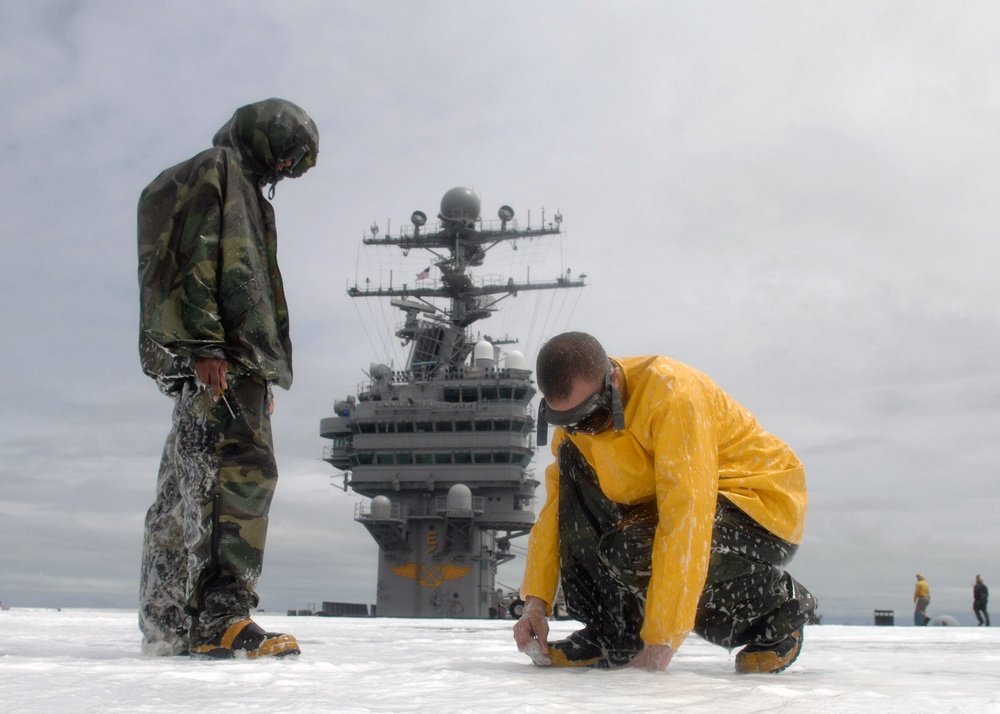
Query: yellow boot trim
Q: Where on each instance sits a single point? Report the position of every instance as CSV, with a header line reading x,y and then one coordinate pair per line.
x,y
558,658
275,647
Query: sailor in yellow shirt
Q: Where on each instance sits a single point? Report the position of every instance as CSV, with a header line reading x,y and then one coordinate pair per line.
x,y
921,599
668,509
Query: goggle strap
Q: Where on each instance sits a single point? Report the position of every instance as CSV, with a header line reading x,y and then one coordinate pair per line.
x,y
617,410
542,426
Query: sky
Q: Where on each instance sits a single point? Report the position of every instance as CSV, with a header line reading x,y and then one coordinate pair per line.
x,y
88,660
797,199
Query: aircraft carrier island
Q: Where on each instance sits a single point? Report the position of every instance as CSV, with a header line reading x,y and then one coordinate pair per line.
x,y
441,449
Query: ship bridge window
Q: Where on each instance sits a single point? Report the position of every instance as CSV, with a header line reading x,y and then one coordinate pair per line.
x,y
405,427
442,458
452,394
365,458
423,458
366,427
463,426
424,427
506,393
404,458
520,393
484,426
501,425
495,457
491,393
470,394
444,426
384,459
386,427
519,425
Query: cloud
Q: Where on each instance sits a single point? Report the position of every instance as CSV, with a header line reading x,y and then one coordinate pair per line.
x,y
794,198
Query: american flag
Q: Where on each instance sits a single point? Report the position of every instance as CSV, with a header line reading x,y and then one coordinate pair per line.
x,y
424,274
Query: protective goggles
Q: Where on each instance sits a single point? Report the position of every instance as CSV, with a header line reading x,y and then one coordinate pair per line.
x,y
295,155
593,415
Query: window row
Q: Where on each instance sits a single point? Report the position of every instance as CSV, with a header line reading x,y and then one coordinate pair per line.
x,y
487,393
407,458
426,427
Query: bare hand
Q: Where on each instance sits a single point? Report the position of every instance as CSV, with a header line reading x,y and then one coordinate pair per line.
x,y
212,373
655,658
533,627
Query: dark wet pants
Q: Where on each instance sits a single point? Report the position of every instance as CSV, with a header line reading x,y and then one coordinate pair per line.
x,y
205,533
606,563
982,615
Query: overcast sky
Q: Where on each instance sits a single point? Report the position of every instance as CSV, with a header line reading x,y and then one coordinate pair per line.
x,y
799,199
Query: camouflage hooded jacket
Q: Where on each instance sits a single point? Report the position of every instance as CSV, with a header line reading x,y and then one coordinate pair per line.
x,y
209,282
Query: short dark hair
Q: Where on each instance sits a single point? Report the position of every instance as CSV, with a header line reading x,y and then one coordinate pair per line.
x,y
566,358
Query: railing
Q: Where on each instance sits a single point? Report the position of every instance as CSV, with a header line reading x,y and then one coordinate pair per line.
x,y
423,508
400,377
363,512
478,504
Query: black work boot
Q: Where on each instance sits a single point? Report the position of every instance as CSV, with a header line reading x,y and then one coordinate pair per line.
x,y
246,639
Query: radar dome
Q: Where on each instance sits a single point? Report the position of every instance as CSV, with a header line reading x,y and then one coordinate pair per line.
x,y
482,355
514,360
460,204
944,621
459,498
380,372
381,507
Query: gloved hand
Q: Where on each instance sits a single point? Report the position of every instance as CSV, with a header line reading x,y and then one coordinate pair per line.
x,y
531,632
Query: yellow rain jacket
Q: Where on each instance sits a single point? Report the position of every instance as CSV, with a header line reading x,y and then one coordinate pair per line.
x,y
685,442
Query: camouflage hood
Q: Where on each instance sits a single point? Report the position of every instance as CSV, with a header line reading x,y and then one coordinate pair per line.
x,y
208,271
265,132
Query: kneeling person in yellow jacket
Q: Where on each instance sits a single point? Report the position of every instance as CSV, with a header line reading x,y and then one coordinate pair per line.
x,y
668,509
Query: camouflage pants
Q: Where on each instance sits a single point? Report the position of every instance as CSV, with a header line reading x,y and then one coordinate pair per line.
x,y
606,561
204,535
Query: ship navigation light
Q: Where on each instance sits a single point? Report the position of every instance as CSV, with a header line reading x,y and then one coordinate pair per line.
x,y
506,213
418,219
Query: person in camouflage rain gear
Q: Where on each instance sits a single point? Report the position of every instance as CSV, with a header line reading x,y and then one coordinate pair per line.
x,y
214,335
668,509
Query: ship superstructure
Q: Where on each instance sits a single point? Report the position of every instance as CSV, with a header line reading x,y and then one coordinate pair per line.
x,y
442,448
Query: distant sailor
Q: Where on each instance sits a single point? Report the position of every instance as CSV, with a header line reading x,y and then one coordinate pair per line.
x,y
921,599
980,601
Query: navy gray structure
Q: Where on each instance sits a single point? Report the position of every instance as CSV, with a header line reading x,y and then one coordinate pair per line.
x,y
442,449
